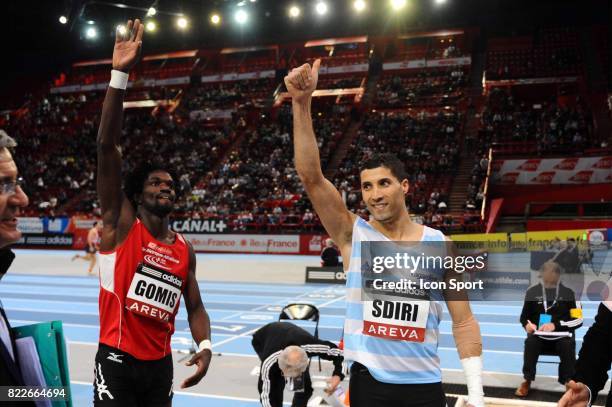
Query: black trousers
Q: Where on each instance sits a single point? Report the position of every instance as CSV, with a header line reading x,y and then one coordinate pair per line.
x,y
277,386
565,348
366,391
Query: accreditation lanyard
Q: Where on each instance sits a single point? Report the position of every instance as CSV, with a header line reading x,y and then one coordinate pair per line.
x,y
546,307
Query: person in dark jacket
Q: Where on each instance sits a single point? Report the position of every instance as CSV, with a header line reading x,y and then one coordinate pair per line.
x,y
568,257
12,199
285,351
548,308
329,255
593,362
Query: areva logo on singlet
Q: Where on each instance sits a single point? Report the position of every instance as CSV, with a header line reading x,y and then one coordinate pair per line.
x,y
396,320
154,293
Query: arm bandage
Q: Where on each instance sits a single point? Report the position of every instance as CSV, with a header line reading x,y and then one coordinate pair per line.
x,y
469,345
472,367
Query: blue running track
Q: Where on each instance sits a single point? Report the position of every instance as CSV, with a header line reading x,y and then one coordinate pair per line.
x,y
236,309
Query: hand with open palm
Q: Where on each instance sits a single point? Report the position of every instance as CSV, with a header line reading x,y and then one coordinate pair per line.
x,y
128,46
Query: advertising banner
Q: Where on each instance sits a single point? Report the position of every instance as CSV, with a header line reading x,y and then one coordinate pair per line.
x,y
422,63
238,76
56,225
326,275
539,171
286,244
55,241
311,244
399,65
30,225
449,62
142,83
210,114
548,240
179,80
200,226
491,242
344,69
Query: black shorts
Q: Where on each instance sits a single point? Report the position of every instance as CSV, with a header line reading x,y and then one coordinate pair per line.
x,y
122,380
366,391
90,250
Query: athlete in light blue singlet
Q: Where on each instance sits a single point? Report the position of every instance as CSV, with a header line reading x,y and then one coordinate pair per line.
x,y
394,352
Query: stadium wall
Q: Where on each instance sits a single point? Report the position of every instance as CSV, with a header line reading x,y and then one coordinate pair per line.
x,y
516,197
66,233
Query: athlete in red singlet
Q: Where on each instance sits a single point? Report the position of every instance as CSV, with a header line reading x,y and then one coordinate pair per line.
x,y
144,266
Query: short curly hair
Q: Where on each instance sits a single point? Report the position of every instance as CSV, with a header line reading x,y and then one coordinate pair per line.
x,y
134,182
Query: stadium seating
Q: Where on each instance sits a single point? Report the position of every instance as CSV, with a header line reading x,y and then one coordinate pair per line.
x,y
416,139
519,127
421,87
232,148
550,52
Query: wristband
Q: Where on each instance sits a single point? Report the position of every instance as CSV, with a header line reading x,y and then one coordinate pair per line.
x,y
472,367
205,344
119,80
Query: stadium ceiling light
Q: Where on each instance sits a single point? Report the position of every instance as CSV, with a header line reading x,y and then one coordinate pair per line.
x,y
439,2
241,16
215,19
121,29
63,20
91,33
321,8
359,5
91,22
151,11
182,23
398,4
294,11
151,26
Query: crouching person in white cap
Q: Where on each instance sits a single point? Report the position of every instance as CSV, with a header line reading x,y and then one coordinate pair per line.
x,y
285,351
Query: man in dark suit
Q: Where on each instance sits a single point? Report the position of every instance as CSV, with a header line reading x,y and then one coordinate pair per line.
x,y
593,362
12,199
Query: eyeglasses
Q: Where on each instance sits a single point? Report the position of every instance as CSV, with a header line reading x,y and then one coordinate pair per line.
x,y
10,187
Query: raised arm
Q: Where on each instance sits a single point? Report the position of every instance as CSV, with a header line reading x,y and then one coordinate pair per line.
x,y
326,200
116,209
